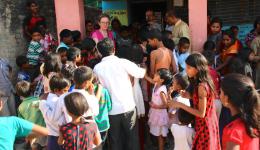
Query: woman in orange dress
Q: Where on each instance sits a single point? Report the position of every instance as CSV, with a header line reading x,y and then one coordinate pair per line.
x,y
230,50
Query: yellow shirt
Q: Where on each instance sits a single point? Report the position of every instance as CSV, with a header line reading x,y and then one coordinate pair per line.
x,y
181,29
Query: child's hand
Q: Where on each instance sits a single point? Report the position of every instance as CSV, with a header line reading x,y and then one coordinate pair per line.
x,y
91,89
152,105
185,94
173,104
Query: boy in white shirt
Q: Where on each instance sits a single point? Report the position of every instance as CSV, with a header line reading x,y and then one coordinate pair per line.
x,y
182,133
58,86
83,77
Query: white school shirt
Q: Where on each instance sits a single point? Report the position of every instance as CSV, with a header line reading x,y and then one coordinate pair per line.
x,y
183,137
48,108
113,73
61,115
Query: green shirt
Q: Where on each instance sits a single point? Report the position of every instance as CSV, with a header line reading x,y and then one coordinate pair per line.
x,y
29,110
10,128
105,105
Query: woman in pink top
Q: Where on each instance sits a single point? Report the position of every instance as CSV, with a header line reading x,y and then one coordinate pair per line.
x,y
103,32
239,95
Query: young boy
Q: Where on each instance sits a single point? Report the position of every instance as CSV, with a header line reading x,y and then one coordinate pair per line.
x,y
105,106
31,20
89,51
35,48
58,86
161,57
215,32
14,127
181,53
83,77
48,42
29,109
23,64
76,36
65,39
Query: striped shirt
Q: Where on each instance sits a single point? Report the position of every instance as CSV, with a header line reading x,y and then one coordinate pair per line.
x,y
33,53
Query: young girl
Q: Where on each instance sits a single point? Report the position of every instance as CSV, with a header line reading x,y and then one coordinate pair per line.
x,y
158,116
182,133
74,56
202,94
51,67
241,98
179,83
80,133
230,50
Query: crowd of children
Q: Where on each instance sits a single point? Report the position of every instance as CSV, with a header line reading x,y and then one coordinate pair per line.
x,y
82,91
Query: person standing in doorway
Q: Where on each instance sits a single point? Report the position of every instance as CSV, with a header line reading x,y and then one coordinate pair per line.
x,y
181,29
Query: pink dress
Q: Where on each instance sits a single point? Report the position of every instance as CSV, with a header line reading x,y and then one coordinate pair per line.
x,y
158,118
98,35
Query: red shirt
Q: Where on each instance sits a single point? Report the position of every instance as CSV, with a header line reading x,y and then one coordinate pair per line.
x,y
235,132
216,80
78,137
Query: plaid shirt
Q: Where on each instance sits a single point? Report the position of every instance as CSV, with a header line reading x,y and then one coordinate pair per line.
x,y
33,53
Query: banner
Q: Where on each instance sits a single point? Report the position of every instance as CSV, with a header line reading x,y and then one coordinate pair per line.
x,y
116,9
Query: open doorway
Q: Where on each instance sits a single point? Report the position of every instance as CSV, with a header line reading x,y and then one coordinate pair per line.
x,y
137,9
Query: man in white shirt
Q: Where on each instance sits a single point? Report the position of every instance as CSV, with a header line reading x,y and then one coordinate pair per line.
x,y
113,73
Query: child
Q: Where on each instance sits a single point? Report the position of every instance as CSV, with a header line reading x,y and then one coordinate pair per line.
x,y
202,94
67,71
76,36
105,106
162,57
235,31
65,38
51,67
30,22
179,83
209,55
79,133
23,63
182,133
58,86
48,42
210,47
29,109
181,53
35,48
62,51
82,77
14,127
230,50
241,98
158,117
89,51
74,56
215,32
124,39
